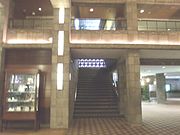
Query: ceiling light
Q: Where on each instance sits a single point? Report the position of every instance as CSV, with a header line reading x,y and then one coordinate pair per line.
x,y
148,80
142,11
40,9
163,67
33,13
91,10
169,29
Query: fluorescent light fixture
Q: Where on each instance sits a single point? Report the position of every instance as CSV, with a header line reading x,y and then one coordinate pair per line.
x,y
59,76
61,15
61,43
70,77
28,41
38,80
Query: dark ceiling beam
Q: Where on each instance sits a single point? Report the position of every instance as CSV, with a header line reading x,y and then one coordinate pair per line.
x,y
160,61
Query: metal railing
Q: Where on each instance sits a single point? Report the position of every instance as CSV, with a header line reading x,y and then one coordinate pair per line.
x,y
31,23
158,25
98,24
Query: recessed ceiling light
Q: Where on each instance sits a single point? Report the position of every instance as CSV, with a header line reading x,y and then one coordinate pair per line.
x,y
33,13
91,10
169,29
40,9
142,11
163,67
148,80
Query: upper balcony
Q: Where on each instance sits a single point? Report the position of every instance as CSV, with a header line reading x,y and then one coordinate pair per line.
x,y
30,22
161,18
98,16
156,25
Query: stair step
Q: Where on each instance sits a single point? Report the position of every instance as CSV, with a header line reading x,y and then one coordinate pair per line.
x,y
102,107
101,110
95,115
95,97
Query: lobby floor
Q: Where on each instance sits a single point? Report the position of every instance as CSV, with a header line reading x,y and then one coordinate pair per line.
x,y
157,120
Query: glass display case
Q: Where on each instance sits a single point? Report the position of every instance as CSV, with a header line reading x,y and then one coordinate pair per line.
x,y
21,95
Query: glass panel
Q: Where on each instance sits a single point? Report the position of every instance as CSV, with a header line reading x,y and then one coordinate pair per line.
x,y
142,25
152,25
171,26
161,26
21,93
178,25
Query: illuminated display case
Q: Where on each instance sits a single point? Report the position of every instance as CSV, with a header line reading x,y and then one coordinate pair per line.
x,y
21,96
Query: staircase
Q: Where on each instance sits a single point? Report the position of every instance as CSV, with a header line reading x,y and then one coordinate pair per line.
x,y
95,97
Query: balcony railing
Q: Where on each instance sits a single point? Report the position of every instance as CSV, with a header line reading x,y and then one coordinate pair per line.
x,y
98,24
31,23
158,25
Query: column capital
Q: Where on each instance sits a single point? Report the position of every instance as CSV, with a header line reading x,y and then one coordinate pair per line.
x,y
60,3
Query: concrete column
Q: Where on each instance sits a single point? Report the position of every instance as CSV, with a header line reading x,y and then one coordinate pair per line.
x,y
3,11
121,86
1,76
160,88
131,15
132,93
59,117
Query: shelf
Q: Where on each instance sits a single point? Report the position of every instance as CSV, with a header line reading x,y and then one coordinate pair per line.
x,y
21,101
26,92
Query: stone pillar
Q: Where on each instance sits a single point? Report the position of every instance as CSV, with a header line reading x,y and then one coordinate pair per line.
x,y
1,77
4,16
131,15
3,10
133,91
160,88
121,86
59,117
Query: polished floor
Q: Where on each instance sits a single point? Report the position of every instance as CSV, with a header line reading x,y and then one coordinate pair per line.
x,y
157,120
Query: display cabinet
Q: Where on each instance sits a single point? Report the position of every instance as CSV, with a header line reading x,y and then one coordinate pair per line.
x,y
21,96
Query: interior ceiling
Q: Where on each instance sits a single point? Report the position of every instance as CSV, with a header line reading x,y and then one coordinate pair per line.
x,y
26,7
173,70
159,11
23,8
116,53
100,11
112,11
148,70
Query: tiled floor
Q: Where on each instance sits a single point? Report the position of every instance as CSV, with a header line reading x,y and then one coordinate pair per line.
x,y
31,132
157,120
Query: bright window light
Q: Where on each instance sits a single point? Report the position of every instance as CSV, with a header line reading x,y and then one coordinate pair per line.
x,y
168,87
61,15
59,76
61,43
87,24
91,63
76,24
